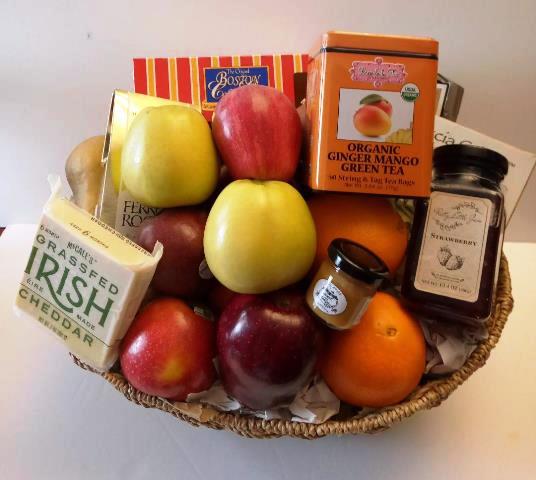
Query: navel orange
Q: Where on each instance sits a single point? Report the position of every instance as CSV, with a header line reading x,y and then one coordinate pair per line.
x,y
370,221
379,361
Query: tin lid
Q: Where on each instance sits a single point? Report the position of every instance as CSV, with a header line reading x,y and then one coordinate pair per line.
x,y
375,43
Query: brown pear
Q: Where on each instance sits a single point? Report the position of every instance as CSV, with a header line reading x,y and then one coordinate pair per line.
x,y
84,170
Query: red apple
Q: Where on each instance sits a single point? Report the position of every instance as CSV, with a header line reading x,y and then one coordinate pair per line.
x,y
168,350
180,231
258,133
268,347
219,297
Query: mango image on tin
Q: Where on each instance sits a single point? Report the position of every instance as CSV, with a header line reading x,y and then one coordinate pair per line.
x,y
383,117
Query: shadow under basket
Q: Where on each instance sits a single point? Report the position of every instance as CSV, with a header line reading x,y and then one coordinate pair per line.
x,y
427,395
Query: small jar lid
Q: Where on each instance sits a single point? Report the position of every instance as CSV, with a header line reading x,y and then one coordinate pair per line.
x,y
357,261
449,156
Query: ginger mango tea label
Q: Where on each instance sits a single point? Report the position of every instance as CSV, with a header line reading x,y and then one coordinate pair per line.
x,y
370,107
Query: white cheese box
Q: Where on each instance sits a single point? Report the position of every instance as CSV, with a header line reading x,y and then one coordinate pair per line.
x,y
520,162
84,281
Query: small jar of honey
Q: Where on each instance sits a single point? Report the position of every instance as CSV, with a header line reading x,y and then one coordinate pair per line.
x,y
345,283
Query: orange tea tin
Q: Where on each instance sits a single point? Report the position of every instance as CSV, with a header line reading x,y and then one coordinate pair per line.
x,y
370,112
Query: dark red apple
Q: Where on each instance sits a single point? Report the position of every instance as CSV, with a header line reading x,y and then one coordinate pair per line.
x,y
180,231
224,179
168,350
258,133
267,348
219,297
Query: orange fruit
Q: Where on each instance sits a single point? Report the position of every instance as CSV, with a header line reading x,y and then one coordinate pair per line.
x,y
370,221
379,361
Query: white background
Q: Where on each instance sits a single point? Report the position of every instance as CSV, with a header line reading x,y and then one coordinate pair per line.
x,y
59,422
349,98
61,60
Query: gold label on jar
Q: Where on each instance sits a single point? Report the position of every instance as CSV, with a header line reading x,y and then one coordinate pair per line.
x,y
328,297
453,246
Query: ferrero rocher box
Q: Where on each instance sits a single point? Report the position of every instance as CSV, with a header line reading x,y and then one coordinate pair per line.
x,y
117,207
84,281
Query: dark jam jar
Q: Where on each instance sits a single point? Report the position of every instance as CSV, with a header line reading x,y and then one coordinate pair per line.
x,y
454,252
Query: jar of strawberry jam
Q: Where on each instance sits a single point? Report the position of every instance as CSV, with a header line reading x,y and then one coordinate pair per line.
x,y
454,252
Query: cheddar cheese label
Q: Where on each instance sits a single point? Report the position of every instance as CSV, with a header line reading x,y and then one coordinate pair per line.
x,y
84,281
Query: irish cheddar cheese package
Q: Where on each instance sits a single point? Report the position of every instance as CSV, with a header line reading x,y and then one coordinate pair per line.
x,y
370,109
83,280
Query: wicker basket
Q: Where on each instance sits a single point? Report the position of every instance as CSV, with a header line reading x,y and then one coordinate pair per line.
x,y
426,396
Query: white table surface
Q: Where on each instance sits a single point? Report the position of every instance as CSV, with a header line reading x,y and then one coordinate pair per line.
x,y
60,422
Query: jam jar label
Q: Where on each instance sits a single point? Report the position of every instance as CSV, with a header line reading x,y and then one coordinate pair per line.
x,y
329,298
453,246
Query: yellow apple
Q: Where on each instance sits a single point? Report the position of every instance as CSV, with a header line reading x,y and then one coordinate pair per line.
x,y
259,236
169,158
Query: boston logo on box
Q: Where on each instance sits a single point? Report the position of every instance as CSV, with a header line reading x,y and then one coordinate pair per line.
x,y
219,81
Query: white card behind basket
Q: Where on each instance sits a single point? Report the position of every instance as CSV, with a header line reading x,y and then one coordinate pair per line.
x,y
520,162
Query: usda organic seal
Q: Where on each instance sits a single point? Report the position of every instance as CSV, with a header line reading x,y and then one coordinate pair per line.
x,y
410,92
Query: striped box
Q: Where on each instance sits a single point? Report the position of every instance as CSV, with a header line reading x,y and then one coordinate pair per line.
x,y
202,81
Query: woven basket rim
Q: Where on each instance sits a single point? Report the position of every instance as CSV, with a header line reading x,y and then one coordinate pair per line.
x,y
426,396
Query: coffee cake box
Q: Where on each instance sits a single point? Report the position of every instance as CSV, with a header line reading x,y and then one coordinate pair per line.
x,y
202,81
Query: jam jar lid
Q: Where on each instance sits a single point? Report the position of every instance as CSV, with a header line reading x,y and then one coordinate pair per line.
x,y
357,261
449,156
